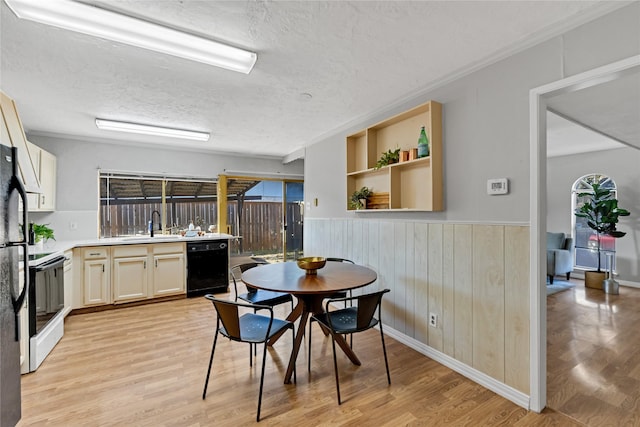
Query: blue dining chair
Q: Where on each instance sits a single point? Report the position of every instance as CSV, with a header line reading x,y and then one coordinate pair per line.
x,y
356,318
253,295
248,328
339,294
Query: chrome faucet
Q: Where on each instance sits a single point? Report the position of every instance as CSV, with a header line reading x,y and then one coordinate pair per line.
x,y
151,223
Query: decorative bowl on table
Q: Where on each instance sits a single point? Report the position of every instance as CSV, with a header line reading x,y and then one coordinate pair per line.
x,y
311,264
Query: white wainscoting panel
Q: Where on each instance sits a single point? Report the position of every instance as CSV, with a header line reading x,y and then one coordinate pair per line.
x,y
473,277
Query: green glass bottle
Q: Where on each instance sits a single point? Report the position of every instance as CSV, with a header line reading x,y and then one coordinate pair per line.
x,y
423,144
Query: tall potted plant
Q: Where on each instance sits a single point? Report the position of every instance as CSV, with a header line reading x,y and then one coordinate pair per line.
x,y
602,213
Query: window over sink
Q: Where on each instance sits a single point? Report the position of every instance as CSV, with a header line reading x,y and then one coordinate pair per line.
x,y
127,202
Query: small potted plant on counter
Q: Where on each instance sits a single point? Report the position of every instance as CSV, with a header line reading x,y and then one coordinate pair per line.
x,y
359,198
40,234
601,211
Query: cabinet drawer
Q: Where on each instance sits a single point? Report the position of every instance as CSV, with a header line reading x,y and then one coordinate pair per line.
x,y
129,251
168,248
95,253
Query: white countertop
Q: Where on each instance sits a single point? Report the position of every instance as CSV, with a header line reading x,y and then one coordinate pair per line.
x,y
56,248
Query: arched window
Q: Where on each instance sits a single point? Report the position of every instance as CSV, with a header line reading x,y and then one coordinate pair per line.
x,y
586,239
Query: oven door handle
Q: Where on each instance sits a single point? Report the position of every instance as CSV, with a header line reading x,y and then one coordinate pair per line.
x,y
54,263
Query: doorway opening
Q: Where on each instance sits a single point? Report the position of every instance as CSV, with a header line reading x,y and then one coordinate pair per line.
x,y
266,217
538,209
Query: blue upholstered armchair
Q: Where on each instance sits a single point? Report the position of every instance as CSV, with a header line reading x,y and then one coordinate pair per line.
x,y
559,255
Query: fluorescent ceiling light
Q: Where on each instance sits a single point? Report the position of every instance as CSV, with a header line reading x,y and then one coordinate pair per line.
x,y
151,130
93,21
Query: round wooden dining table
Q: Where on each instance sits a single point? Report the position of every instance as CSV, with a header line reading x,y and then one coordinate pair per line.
x,y
310,290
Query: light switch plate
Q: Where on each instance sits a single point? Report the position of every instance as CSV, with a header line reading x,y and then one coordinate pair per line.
x,y
497,186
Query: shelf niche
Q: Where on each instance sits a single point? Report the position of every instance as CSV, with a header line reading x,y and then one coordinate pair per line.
x,y
412,185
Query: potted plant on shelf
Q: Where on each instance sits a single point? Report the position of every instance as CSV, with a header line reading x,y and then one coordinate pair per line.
x,y
602,213
390,157
359,198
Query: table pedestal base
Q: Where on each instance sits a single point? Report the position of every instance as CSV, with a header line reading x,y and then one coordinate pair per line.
x,y
307,305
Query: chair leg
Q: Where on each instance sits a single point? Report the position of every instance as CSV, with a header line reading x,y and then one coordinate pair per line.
x,y
293,335
335,367
255,346
309,355
384,350
350,335
568,275
551,280
264,357
206,381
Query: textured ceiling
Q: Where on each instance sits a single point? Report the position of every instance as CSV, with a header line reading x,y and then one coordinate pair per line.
x,y
352,57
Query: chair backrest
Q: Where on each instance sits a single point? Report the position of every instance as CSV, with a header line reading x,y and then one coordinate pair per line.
x,y
555,240
340,260
229,315
367,305
236,274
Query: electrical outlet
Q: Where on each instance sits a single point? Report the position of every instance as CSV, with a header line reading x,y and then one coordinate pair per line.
x,y
433,320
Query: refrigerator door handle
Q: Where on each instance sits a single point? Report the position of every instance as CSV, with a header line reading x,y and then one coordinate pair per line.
x,y
16,185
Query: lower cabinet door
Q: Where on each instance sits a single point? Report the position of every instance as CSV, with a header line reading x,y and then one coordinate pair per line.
x,y
96,282
130,279
169,274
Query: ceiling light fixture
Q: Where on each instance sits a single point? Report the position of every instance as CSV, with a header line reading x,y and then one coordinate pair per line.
x,y
151,130
102,23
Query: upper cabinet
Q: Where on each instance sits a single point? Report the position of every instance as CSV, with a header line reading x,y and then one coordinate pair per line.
x,y
12,134
45,167
47,177
410,184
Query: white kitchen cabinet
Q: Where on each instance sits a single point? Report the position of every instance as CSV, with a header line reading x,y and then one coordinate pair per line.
x,y
11,130
130,279
68,281
168,274
130,275
96,275
125,273
47,175
45,165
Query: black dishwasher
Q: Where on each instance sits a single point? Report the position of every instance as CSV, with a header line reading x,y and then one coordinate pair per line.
x,y
207,267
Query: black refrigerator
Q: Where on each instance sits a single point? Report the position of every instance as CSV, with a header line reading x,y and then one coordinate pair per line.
x,y
12,238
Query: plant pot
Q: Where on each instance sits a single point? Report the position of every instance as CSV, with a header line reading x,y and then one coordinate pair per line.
x,y
611,286
594,279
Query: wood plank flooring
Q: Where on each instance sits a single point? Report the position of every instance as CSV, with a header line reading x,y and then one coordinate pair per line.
x,y
145,366
593,355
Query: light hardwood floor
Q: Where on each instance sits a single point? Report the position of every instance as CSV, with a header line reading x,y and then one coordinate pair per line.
x,y
146,365
593,355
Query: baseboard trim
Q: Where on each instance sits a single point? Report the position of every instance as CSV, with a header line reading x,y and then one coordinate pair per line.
x,y
629,284
508,392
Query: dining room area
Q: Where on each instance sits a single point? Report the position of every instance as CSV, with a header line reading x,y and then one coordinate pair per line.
x,y
147,364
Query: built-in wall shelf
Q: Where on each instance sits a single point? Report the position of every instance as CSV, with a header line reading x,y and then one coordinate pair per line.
x,y
411,185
